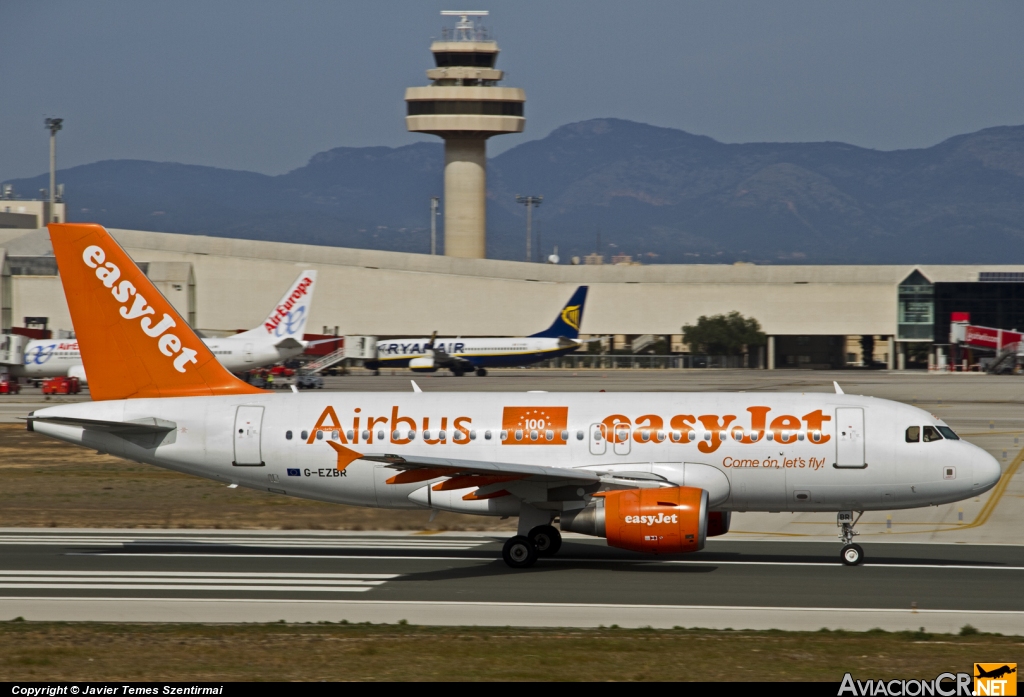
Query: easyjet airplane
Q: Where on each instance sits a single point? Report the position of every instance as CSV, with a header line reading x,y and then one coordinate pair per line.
x,y
463,356
655,473
277,339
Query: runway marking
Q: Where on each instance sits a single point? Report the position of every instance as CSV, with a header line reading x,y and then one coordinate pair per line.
x,y
997,492
192,581
247,541
491,604
983,515
574,560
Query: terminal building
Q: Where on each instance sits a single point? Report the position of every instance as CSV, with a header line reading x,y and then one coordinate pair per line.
x,y
814,316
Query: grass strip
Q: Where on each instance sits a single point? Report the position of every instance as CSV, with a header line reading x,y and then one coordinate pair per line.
x,y
337,652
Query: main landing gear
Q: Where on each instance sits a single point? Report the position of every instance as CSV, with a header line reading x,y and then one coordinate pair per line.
x,y
851,554
522,551
481,372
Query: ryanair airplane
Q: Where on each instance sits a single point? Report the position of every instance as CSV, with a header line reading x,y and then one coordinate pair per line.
x,y
463,356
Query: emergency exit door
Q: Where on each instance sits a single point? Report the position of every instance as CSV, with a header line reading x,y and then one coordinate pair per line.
x,y
248,424
850,438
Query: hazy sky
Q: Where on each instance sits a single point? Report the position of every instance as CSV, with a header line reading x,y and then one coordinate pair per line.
x,y
262,85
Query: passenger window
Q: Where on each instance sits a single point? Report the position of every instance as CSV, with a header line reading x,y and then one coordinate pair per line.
x,y
931,434
579,435
913,434
287,435
947,432
487,435
319,435
305,435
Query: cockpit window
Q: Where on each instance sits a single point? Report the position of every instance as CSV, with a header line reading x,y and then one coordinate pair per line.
x,y
948,433
930,434
914,434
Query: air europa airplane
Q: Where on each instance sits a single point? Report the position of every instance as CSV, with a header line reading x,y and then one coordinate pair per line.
x,y
277,339
463,356
655,473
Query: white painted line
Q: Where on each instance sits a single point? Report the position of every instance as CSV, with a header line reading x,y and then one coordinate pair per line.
x,y
9,580
341,544
695,562
174,555
200,574
190,587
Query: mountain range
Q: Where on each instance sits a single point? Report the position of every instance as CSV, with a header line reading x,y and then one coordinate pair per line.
x,y
661,195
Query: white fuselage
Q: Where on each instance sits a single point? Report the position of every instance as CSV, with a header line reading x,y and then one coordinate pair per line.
x,y
48,358
482,352
284,446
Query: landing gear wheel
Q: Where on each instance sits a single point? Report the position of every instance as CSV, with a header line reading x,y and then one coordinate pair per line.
x,y
546,539
852,555
481,372
519,552
458,373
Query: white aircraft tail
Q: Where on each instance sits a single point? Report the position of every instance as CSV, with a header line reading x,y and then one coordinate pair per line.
x,y
287,321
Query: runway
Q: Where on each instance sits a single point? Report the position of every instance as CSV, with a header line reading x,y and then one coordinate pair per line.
x,y
459,579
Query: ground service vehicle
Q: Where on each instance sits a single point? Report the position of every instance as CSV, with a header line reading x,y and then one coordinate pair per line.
x,y
651,472
61,385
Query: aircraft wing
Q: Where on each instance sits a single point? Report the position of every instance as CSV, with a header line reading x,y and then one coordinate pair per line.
x,y
145,426
448,467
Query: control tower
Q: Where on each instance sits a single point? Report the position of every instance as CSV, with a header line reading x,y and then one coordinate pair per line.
x,y
465,106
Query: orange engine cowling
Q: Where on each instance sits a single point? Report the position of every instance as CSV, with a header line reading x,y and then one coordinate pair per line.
x,y
657,521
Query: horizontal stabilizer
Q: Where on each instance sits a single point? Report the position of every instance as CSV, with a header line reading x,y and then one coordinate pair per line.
x,y
288,343
148,425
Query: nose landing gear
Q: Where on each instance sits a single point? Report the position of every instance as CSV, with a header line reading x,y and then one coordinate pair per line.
x,y
851,554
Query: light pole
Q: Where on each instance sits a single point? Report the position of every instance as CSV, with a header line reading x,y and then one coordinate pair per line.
x,y
54,125
530,202
434,203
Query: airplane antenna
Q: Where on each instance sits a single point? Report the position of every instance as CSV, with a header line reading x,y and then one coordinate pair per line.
x,y
839,390
415,387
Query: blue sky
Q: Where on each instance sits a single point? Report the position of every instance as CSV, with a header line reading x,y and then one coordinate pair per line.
x,y
263,86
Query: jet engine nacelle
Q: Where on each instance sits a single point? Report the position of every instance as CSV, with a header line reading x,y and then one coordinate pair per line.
x,y
424,364
78,371
656,521
718,522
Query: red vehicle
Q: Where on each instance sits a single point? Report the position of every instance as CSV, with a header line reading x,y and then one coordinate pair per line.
x,y
8,386
61,385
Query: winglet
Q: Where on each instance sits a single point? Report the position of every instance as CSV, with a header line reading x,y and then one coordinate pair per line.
x,y
134,343
346,456
839,390
415,387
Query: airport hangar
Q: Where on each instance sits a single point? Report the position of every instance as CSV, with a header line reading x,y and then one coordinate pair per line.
x,y
813,315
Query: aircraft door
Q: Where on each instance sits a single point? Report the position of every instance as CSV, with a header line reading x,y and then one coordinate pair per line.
x,y
598,445
248,353
622,439
248,424
850,438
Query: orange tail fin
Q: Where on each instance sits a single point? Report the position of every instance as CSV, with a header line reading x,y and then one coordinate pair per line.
x,y
133,343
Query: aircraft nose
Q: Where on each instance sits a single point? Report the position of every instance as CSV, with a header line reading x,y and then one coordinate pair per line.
x,y
986,471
